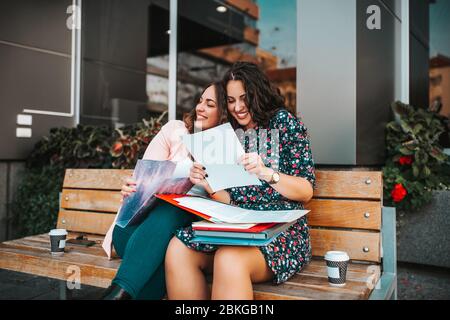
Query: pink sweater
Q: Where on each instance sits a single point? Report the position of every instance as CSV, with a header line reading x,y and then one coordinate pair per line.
x,y
166,145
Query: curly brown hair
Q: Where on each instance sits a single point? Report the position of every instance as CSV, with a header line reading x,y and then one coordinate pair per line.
x,y
190,117
263,98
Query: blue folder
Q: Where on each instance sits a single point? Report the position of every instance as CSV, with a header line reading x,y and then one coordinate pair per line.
x,y
263,235
233,241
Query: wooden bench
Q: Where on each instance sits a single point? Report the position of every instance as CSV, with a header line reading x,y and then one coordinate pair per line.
x,y
346,214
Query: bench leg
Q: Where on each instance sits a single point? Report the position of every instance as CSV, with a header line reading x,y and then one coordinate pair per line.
x,y
64,292
394,292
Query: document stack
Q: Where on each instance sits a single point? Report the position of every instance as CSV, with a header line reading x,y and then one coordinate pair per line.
x,y
224,224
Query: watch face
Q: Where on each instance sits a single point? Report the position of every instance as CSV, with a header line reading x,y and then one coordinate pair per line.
x,y
276,177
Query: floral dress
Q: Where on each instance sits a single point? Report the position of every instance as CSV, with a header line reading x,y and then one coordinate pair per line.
x,y
288,253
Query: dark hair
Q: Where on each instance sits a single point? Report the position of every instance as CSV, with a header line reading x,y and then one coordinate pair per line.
x,y
263,99
190,117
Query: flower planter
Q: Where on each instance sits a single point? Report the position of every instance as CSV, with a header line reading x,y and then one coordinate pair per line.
x,y
423,236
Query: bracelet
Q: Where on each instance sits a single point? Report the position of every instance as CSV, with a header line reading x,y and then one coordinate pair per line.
x,y
211,194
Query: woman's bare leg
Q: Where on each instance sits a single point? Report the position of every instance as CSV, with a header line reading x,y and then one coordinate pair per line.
x,y
185,272
235,269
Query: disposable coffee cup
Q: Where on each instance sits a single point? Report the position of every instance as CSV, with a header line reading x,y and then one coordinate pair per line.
x,y
57,241
337,262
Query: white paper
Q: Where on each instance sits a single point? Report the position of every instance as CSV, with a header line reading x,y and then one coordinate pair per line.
x,y
183,168
231,214
219,149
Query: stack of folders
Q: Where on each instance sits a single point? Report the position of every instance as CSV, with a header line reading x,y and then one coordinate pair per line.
x,y
237,234
223,224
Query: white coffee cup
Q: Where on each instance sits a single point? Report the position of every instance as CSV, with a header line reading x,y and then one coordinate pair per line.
x,y
57,241
337,262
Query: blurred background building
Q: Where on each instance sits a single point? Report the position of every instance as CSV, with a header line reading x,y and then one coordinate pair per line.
x,y
440,83
108,62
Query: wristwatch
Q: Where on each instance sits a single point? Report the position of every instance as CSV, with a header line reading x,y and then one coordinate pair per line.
x,y
275,177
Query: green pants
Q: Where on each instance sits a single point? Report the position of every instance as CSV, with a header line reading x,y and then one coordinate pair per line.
x,y
143,247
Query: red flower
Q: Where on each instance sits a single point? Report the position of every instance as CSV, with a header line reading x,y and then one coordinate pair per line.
x,y
117,148
398,193
405,160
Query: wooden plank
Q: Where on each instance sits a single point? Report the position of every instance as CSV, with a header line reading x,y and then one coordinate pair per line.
x,y
44,244
303,293
353,242
104,179
302,281
355,214
349,184
85,222
370,273
76,255
73,234
261,295
92,200
93,271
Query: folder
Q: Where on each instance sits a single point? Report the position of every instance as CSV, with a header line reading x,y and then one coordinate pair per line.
x,y
266,233
231,227
170,198
233,241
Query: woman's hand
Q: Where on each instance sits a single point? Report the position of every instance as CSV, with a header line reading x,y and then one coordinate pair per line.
x,y
128,188
197,176
253,163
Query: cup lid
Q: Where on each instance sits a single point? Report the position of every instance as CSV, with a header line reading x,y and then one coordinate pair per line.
x,y
58,232
337,256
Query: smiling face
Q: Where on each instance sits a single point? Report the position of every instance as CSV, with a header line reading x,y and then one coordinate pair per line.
x,y
207,111
237,105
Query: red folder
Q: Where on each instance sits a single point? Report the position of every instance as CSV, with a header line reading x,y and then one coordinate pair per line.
x,y
255,229
170,198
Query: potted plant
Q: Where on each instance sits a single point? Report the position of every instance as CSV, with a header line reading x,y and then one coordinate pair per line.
x,y
416,181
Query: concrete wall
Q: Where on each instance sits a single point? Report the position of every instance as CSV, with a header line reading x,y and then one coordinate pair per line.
x,y
326,78
35,64
349,75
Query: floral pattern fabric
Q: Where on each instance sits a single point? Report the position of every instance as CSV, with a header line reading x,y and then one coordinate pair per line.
x,y
288,253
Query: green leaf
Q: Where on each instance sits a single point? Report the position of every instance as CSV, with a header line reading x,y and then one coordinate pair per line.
x,y
415,170
426,171
417,128
405,151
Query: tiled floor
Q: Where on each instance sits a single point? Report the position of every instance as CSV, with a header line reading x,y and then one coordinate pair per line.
x,y
16,285
414,283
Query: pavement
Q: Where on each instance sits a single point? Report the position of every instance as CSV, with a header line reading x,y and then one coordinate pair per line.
x,y
415,282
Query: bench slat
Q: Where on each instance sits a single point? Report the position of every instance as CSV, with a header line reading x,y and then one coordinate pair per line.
x,y
85,222
344,214
349,184
92,200
106,179
302,293
302,281
353,242
41,263
44,244
355,271
330,183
